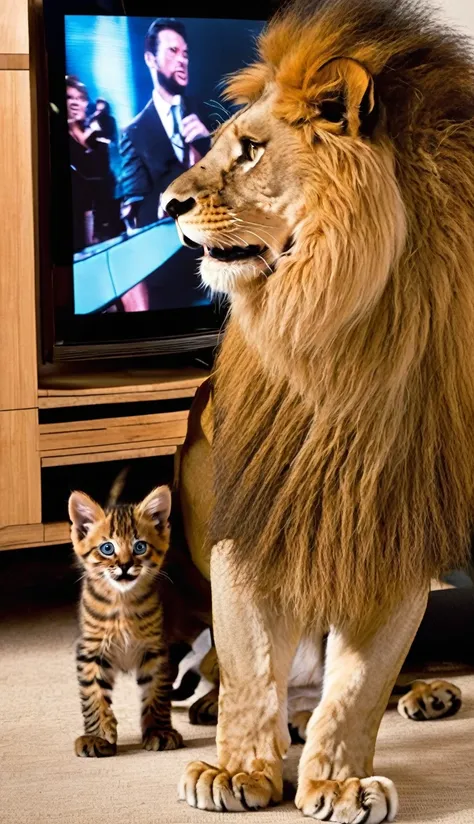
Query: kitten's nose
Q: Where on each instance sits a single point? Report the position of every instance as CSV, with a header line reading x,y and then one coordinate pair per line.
x,y
126,566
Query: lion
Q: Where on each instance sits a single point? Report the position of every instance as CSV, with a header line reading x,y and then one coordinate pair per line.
x,y
335,209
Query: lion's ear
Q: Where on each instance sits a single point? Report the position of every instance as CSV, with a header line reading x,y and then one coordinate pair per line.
x,y
345,99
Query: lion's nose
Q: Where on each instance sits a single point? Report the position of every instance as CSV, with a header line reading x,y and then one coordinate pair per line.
x,y
175,208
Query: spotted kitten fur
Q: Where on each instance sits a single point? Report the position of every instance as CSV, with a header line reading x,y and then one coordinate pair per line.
x,y
121,551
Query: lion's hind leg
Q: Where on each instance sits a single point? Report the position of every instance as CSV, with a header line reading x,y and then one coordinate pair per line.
x,y
428,701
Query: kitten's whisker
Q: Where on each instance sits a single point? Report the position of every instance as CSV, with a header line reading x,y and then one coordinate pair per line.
x,y
163,574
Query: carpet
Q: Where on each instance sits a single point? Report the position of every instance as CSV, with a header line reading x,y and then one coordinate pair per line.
x,y
41,780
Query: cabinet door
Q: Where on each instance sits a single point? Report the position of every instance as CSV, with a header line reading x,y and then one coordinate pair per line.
x,y
18,378
20,473
13,27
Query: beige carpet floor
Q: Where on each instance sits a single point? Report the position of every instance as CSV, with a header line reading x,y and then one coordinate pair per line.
x,y
42,781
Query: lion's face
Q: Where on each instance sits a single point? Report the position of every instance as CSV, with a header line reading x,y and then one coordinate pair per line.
x,y
244,199
297,196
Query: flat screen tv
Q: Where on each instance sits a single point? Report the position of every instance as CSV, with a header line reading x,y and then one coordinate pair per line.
x,y
128,98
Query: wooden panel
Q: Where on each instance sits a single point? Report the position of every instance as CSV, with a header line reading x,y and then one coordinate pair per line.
x,y
149,451
23,535
14,61
14,26
17,275
20,481
118,437
51,534
22,545
57,381
166,429
57,532
55,402
105,448
58,535
100,424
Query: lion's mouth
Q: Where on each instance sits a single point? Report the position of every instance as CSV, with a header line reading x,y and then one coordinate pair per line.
x,y
230,254
237,254
225,254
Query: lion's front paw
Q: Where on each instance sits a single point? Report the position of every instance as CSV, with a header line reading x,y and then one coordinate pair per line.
x,y
426,702
211,788
354,801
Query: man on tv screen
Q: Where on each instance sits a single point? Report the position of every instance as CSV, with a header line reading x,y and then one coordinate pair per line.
x,y
168,136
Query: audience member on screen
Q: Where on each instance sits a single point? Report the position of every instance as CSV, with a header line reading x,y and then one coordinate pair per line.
x,y
105,120
168,136
96,216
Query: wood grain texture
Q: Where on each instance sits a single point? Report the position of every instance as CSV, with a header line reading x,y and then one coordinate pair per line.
x,y
20,480
15,62
51,535
55,402
111,435
18,384
63,382
14,27
109,424
104,448
22,535
112,455
57,532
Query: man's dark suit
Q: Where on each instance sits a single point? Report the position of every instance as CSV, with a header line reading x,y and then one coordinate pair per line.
x,y
149,163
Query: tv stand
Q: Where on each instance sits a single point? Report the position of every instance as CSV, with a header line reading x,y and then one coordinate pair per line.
x,y
67,416
93,417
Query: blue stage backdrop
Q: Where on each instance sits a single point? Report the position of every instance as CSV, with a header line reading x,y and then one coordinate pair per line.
x,y
106,54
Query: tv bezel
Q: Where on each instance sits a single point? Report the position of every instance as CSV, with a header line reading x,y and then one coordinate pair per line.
x,y
62,329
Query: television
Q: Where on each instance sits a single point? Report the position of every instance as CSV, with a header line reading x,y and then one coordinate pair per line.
x,y
128,97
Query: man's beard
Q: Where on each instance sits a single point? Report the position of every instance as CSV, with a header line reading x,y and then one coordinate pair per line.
x,y
170,85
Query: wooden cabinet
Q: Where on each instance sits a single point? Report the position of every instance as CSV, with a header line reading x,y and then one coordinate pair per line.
x,y
13,31
20,490
18,368
69,431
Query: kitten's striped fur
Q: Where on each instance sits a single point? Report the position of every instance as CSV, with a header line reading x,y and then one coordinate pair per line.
x,y
121,551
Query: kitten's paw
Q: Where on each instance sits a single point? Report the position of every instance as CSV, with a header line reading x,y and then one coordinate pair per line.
x,y
204,710
156,739
91,746
297,724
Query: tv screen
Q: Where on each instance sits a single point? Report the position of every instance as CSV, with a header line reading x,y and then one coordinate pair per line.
x,y
133,101
142,97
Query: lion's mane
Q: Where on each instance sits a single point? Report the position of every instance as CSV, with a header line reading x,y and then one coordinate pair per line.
x,y
344,390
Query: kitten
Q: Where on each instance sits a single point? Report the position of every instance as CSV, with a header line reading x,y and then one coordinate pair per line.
x,y
121,551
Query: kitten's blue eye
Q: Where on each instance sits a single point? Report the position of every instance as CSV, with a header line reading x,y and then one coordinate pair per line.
x,y
107,549
139,547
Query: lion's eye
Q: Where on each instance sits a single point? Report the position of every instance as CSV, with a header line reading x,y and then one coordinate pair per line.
x,y
249,148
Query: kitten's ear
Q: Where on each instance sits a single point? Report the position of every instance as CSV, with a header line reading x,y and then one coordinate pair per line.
x,y
83,512
156,506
